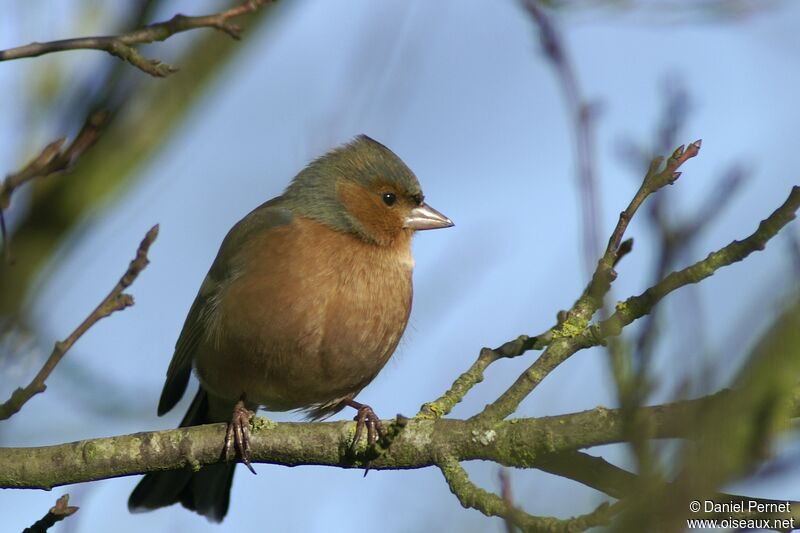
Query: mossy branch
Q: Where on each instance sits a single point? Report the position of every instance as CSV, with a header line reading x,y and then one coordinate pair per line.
x,y
521,443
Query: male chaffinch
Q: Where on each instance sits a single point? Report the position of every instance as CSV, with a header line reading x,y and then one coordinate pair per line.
x,y
304,304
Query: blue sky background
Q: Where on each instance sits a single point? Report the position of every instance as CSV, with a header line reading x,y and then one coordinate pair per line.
x,y
460,91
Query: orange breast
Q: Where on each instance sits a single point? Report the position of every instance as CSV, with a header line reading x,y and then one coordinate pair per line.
x,y
311,320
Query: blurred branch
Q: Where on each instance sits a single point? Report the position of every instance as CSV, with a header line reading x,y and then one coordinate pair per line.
x,y
56,514
50,161
582,113
730,438
129,140
794,251
618,483
116,300
630,362
121,46
673,11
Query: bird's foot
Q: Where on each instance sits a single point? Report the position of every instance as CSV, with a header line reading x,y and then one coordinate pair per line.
x,y
366,417
237,438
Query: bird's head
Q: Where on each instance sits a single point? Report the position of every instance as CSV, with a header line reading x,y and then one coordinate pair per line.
x,y
363,188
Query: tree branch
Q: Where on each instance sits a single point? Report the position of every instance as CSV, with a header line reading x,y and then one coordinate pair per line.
x,y
122,45
116,300
522,443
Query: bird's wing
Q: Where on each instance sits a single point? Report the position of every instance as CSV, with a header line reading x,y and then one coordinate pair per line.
x,y
263,218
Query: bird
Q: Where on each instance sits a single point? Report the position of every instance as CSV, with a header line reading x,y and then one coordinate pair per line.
x,y
302,307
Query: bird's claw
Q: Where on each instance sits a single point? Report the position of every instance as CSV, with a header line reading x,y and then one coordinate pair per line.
x,y
237,437
366,417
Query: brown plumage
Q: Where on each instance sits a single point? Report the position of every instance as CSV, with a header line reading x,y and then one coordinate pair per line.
x,y
304,304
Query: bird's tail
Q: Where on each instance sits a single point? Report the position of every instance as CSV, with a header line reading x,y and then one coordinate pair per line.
x,y
205,491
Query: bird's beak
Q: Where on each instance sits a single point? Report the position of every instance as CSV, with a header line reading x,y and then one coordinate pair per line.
x,y
425,217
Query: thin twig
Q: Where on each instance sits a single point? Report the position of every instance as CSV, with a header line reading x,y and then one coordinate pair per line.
x,y
50,161
116,300
57,513
658,175
121,45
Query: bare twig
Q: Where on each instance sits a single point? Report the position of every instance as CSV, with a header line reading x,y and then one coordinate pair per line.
x,y
51,160
658,175
57,513
122,45
582,112
116,300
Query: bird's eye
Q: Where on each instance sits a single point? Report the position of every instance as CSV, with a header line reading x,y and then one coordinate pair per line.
x,y
389,198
